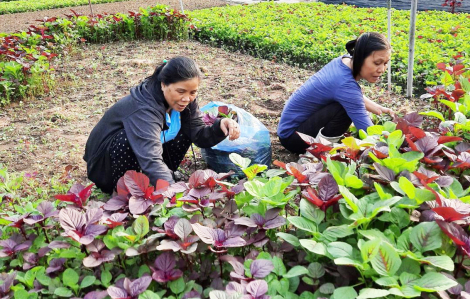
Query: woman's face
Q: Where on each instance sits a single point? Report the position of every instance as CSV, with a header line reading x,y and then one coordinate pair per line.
x,y
374,65
178,95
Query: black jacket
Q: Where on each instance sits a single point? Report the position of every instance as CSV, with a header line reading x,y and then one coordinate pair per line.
x,y
143,117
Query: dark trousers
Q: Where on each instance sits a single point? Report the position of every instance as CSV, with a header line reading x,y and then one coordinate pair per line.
x,y
124,159
333,118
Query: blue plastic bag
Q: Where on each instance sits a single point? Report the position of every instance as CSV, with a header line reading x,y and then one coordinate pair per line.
x,y
254,143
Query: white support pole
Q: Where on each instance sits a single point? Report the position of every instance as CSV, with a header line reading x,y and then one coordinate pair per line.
x,y
389,77
411,52
182,8
91,8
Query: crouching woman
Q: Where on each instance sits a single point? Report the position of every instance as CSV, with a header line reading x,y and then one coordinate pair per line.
x,y
151,129
331,99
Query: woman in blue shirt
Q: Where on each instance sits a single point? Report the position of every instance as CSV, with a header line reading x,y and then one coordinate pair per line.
x,y
151,129
331,99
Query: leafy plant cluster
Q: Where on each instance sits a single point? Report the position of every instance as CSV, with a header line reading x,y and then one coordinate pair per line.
x,y
452,4
311,34
383,215
212,114
451,98
25,57
156,22
25,63
15,6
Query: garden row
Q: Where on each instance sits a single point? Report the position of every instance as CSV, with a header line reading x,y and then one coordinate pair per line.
x,y
7,7
25,68
311,34
380,216
305,34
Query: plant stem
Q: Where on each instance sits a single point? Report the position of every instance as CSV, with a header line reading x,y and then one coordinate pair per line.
x,y
459,267
121,261
45,233
220,265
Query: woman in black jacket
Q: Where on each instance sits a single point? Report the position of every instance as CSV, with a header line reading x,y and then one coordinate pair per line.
x,y
151,129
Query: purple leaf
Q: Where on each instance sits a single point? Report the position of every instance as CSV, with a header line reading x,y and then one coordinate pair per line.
x,y
33,219
117,293
178,188
30,258
193,294
93,215
276,222
174,274
457,234
233,230
234,288
462,147
272,213
414,119
116,203
139,285
327,188
96,295
160,276
219,236
199,192
258,219
96,246
246,221
384,172
261,268
165,261
71,219
92,261
183,228
444,181
136,183
138,205
237,263
47,209
43,251
7,282
257,288
55,265
428,145
168,245
234,242
95,230
205,234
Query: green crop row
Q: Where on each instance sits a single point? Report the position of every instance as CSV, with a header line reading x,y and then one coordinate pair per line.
x,y
25,57
28,5
311,34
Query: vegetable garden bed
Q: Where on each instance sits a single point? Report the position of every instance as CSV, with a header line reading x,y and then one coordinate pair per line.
x,y
382,214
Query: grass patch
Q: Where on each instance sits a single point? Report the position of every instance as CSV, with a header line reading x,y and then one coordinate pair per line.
x,y
311,34
28,5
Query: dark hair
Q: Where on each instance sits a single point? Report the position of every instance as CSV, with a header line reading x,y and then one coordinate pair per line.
x,y
175,70
363,46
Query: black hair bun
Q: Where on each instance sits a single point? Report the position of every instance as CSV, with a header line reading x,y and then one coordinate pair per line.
x,y
350,46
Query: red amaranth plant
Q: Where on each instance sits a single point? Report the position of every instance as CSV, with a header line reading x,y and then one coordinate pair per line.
x,y
452,4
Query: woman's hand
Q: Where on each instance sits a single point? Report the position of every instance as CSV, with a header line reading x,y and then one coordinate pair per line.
x,y
379,109
230,128
376,108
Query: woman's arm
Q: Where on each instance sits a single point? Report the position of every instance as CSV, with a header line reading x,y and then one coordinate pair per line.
x,y
200,134
376,108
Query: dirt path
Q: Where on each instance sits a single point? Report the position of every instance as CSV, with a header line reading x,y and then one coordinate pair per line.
x,y
21,21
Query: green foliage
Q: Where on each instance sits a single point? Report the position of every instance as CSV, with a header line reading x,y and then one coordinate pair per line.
x,y
25,57
311,34
12,6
